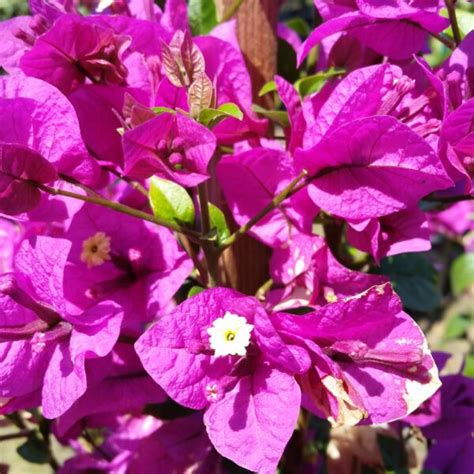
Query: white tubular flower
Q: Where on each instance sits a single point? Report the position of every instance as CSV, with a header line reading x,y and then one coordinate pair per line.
x,y
230,335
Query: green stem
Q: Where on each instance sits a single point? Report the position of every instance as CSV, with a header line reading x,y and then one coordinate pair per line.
x,y
88,191
45,430
204,207
443,39
134,184
230,11
264,289
192,254
451,6
291,189
19,434
115,206
211,252
87,436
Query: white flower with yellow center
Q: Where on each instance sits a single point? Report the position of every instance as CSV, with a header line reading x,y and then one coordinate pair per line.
x,y
96,250
230,335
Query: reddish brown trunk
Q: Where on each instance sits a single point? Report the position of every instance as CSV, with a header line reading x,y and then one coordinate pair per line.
x,y
244,266
256,31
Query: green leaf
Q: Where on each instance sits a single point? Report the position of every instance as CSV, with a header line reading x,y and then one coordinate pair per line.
x,y
299,25
469,366
286,61
457,326
414,279
462,273
33,450
218,222
171,202
202,16
393,454
277,116
211,117
195,290
268,87
310,84
162,110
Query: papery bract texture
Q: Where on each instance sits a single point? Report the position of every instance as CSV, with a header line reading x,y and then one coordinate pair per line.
x,y
358,169
36,115
371,363
141,268
51,349
171,146
244,396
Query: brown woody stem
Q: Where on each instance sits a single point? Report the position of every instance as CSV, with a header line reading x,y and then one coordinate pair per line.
x,y
451,6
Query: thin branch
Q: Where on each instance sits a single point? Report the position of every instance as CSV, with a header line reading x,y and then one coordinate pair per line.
x,y
115,206
19,434
87,436
204,207
211,252
45,430
264,289
134,184
89,191
197,263
444,39
451,6
291,189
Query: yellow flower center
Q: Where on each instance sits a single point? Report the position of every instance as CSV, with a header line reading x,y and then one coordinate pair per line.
x,y
96,250
229,335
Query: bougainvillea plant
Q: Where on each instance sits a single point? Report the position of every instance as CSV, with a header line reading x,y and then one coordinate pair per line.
x,y
211,259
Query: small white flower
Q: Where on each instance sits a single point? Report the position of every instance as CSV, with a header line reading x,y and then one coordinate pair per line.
x,y
230,335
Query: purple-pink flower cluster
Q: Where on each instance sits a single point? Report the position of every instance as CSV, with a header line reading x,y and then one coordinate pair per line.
x,y
132,161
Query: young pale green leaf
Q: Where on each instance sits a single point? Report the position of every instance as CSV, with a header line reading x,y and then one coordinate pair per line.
x,y
469,366
457,327
462,273
299,25
211,117
195,290
163,110
310,84
268,87
218,223
171,202
277,116
202,16
232,110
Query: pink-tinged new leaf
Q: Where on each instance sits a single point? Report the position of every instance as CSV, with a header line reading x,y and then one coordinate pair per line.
x,y
200,94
